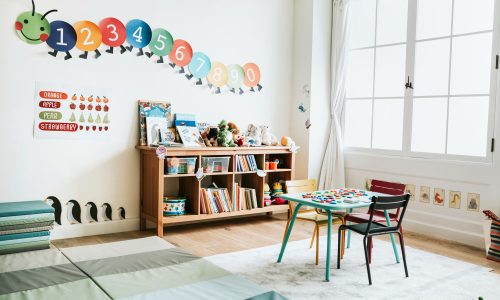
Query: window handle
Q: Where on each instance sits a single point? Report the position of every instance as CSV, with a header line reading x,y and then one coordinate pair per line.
x,y
409,84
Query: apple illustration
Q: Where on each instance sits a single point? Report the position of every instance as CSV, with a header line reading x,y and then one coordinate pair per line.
x,y
88,127
73,97
90,99
94,127
100,128
81,127
106,108
106,128
98,108
82,106
72,106
89,107
82,98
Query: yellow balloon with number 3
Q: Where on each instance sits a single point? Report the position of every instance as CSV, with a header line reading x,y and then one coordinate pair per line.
x,y
218,74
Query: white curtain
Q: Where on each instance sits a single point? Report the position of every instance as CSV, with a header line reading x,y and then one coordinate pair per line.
x,y
332,173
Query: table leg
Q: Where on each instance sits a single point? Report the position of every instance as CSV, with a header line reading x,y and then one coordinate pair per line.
x,y
348,231
290,226
393,241
328,246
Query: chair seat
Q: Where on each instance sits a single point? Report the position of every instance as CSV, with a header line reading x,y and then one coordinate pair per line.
x,y
315,217
361,228
364,217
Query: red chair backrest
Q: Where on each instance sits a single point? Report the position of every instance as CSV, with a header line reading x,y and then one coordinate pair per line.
x,y
389,188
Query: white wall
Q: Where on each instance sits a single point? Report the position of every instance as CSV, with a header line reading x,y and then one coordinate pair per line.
x,y
107,171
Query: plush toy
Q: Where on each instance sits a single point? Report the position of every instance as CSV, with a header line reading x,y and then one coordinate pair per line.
x,y
268,138
225,137
209,136
238,138
286,141
254,135
277,192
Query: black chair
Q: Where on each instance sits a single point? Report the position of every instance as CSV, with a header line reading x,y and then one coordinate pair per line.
x,y
371,228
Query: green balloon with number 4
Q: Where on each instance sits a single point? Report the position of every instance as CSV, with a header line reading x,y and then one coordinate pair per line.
x,y
161,42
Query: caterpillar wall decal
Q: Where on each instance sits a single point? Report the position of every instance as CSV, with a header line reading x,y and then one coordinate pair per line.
x,y
34,28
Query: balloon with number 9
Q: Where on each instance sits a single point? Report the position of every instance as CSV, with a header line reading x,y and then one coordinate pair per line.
x,y
235,76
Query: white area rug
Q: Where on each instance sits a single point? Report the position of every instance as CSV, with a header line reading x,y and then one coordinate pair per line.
x,y
297,277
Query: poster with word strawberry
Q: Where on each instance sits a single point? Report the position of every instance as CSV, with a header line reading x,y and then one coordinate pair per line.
x,y
71,112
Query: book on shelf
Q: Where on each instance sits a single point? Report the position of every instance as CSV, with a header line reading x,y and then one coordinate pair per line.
x,y
160,119
215,200
244,198
246,163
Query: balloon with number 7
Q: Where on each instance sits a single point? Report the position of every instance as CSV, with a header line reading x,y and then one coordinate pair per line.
x,y
161,44
199,67
181,54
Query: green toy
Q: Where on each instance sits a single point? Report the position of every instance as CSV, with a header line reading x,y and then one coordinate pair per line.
x,y
33,27
225,137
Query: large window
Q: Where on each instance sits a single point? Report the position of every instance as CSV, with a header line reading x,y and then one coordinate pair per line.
x,y
421,77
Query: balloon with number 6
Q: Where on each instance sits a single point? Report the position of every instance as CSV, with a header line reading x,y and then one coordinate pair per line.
x,y
181,53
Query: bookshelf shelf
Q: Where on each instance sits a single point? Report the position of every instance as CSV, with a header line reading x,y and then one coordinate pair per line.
x,y
154,183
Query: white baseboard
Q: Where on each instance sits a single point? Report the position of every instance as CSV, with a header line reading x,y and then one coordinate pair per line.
x,y
77,230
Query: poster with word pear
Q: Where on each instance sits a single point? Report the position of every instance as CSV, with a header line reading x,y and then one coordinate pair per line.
x,y
71,112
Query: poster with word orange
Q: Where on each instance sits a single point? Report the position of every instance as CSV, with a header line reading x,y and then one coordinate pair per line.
x,y
71,112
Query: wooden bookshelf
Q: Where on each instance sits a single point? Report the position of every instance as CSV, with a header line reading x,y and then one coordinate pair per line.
x,y
155,182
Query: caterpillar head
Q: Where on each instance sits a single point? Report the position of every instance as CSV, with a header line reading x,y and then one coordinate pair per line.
x,y
33,27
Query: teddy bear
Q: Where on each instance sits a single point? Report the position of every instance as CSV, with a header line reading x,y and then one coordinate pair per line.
x,y
253,135
209,136
238,137
268,138
225,137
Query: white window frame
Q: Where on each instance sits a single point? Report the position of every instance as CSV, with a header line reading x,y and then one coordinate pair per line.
x,y
408,95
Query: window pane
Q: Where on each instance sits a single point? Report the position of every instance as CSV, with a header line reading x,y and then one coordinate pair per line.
x,y
433,18
472,15
391,21
468,126
360,73
471,64
362,17
390,71
432,61
358,123
429,125
388,124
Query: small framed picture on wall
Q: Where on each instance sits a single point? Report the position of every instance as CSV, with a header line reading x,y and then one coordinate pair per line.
x,y
439,196
473,200
455,199
410,189
425,194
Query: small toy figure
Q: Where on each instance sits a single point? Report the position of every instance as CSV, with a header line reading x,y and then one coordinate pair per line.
x,y
253,135
209,136
268,138
225,137
238,137
267,195
277,191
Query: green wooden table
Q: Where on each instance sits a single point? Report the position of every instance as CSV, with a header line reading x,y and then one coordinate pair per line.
x,y
364,201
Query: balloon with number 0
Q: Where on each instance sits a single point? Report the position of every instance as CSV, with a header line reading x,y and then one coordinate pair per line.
x,y
218,74
138,33
113,32
161,42
200,65
62,36
88,36
181,53
235,76
252,74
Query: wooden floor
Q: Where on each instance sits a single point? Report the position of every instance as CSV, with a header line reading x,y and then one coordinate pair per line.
x,y
211,238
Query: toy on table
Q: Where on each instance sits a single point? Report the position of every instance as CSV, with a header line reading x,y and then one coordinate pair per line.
x,y
267,195
277,192
225,136
336,196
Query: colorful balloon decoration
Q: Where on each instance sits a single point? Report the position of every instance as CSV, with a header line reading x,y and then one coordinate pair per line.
x,y
34,28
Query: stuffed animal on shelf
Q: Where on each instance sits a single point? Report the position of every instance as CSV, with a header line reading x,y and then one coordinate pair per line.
x,y
209,136
288,142
268,138
253,136
277,191
238,138
225,137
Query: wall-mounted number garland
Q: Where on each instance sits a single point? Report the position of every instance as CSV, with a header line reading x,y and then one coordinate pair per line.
x,y
34,28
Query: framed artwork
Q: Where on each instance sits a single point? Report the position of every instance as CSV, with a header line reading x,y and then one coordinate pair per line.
x,y
190,136
439,196
411,189
455,199
473,200
425,194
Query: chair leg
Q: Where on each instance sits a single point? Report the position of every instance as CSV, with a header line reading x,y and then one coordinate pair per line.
x,y
317,244
402,243
343,240
286,229
339,250
370,247
313,236
365,246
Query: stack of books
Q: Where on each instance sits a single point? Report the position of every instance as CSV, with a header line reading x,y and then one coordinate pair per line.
x,y
215,200
244,198
246,163
24,226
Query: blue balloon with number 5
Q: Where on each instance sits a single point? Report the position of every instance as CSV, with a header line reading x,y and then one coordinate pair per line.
x,y
62,36
138,33
200,65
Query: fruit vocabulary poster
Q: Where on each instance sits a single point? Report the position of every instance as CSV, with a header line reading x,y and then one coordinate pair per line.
x,y
68,112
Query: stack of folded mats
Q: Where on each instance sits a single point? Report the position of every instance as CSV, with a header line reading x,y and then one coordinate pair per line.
x,y
24,226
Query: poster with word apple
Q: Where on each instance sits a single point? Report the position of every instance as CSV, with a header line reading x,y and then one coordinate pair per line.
x,y
71,112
